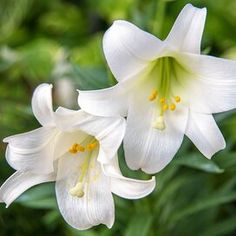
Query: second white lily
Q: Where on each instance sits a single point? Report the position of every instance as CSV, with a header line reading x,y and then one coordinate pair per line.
x,y
78,151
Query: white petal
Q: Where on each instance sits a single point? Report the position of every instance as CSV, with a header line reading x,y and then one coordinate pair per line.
x,y
111,138
112,101
42,104
212,82
109,131
129,49
19,182
186,33
32,151
147,147
205,134
31,140
127,187
67,119
95,207
107,102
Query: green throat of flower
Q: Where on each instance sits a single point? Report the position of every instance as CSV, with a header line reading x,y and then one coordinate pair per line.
x,y
76,148
165,72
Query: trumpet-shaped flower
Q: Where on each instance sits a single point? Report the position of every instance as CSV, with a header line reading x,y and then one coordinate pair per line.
x,y
78,151
166,89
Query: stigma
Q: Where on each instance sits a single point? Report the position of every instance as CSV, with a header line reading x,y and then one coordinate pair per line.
x,y
77,190
87,147
159,123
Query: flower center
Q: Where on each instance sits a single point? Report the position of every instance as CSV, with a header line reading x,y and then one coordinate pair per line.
x,y
78,189
165,70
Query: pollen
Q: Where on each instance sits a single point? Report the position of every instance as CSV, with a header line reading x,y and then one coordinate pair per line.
x,y
165,107
177,99
172,107
153,95
91,146
73,148
162,100
80,148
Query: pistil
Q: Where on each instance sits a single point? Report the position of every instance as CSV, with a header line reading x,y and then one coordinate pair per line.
x,y
166,71
162,96
78,189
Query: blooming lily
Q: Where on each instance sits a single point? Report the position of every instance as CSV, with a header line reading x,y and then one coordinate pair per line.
x,y
78,151
166,89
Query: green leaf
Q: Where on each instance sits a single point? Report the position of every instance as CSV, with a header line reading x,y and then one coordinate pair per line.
x,y
210,201
222,228
51,217
74,232
112,10
227,160
90,78
167,192
89,53
198,161
139,225
41,196
37,59
17,12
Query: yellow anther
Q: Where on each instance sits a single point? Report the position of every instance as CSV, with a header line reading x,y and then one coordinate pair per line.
x,y
73,148
165,107
177,99
91,146
162,100
153,95
172,107
80,148
72,151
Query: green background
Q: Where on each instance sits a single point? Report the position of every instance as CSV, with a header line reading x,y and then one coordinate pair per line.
x,y
60,42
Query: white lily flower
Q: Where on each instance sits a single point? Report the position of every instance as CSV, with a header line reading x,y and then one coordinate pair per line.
x,y
166,89
78,151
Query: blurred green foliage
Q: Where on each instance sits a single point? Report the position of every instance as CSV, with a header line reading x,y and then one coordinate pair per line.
x,y
59,41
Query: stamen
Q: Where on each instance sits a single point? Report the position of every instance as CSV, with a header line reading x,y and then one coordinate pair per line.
x,y
159,123
153,95
172,107
177,99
